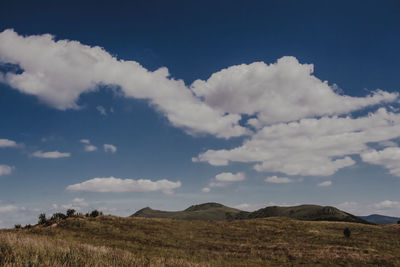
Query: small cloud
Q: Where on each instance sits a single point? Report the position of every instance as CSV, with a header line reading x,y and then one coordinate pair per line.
x,y
102,110
324,184
278,180
387,204
110,148
5,169
230,177
51,154
90,148
112,184
7,143
205,190
85,141
9,208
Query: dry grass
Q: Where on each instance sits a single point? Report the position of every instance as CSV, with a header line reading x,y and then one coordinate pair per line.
x,y
115,241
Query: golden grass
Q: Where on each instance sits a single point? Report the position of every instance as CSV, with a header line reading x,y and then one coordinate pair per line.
x,y
115,241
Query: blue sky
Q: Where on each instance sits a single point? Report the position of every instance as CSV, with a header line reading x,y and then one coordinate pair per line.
x,y
168,104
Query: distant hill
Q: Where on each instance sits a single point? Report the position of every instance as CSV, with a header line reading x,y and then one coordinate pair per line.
x,y
219,212
206,211
380,219
303,212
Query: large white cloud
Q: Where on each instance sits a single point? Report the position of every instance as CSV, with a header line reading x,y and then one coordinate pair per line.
x,y
316,147
112,184
7,143
279,92
51,154
58,72
5,169
388,158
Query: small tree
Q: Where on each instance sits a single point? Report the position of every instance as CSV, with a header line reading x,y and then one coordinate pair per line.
x,y
398,222
94,213
17,226
58,216
42,218
347,232
70,213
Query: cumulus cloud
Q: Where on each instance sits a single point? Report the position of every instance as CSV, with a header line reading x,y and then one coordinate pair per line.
x,y
385,207
90,148
5,169
85,141
112,184
7,143
278,180
110,148
325,184
280,92
388,158
51,154
77,204
310,147
224,179
58,72
206,190
230,177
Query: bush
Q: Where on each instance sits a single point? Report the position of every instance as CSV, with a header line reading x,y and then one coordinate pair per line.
x,y
42,218
17,226
398,222
70,213
347,232
58,216
95,213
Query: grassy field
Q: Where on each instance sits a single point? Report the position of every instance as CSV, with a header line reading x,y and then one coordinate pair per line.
x,y
116,241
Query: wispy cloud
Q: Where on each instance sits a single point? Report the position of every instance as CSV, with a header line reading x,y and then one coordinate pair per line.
x,y
51,154
110,148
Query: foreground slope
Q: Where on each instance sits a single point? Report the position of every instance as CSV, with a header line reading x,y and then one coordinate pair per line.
x,y
116,241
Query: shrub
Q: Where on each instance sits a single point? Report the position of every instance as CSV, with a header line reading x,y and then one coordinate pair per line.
x,y
58,216
17,226
347,232
398,222
70,213
42,218
95,213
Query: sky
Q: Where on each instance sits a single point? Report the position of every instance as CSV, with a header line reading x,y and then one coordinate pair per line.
x,y
123,105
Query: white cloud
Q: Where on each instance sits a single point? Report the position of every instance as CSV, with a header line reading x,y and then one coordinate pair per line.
x,y
7,143
9,208
112,184
85,141
278,180
58,72
310,147
388,158
325,184
110,148
205,190
387,204
51,154
5,169
102,110
230,177
90,148
386,207
280,92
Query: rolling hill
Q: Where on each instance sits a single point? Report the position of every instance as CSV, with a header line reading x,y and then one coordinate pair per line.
x,y
218,212
207,211
380,219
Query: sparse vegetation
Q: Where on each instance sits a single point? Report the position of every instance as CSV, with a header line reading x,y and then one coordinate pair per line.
x,y
116,241
347,232
70,213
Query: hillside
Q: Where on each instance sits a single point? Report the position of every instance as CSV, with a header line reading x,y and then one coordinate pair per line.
x,y
218,212
116,241
206,211
302,212
380,219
